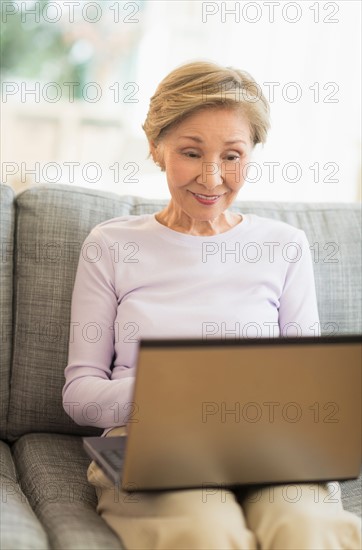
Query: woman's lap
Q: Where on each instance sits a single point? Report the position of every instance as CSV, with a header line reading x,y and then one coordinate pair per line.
x,y
300,516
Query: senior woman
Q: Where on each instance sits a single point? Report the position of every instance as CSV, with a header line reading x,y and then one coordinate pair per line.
x,y
149,276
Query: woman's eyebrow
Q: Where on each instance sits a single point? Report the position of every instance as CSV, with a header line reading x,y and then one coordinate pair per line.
x,y
199,140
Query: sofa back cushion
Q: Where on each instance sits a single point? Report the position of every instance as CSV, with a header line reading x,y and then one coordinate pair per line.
x,y
6,297
52,223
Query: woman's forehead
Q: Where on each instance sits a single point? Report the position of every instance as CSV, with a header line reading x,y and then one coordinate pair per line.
x,y
230,125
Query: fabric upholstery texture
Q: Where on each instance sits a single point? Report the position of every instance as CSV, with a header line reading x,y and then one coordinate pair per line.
x,y
52,472
351,495
19,526
7,217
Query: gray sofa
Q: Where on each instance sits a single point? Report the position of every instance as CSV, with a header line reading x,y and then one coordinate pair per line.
x,y
46,501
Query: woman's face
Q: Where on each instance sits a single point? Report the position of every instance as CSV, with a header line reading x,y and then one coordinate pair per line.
x,y
204,158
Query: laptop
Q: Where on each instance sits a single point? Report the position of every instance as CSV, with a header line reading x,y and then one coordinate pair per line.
x,y
229,412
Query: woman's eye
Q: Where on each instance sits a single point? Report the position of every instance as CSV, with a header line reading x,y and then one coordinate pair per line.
x,y
229,158
191,154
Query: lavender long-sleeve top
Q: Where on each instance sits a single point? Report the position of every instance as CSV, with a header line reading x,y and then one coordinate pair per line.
x,y
137,278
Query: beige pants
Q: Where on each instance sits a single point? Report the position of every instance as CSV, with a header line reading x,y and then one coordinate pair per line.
x,y
293,517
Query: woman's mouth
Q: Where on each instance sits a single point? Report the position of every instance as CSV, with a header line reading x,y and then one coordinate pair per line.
x,y
206,199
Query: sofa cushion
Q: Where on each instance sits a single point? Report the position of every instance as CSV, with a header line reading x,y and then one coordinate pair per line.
x,y
7,218
52,223
52,472
352,495
20,529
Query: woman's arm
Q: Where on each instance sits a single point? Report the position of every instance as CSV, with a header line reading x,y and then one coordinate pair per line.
x,y
298,310
90,397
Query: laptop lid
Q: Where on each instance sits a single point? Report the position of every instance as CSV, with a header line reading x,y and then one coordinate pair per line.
x,y
226,412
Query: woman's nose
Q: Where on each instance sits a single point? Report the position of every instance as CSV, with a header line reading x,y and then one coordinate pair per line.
x,y
211,174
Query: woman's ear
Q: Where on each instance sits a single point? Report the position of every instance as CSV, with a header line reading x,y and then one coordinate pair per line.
x,y
156,154
152,150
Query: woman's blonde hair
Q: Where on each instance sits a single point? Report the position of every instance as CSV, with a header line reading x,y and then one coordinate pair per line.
x,y
202,85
